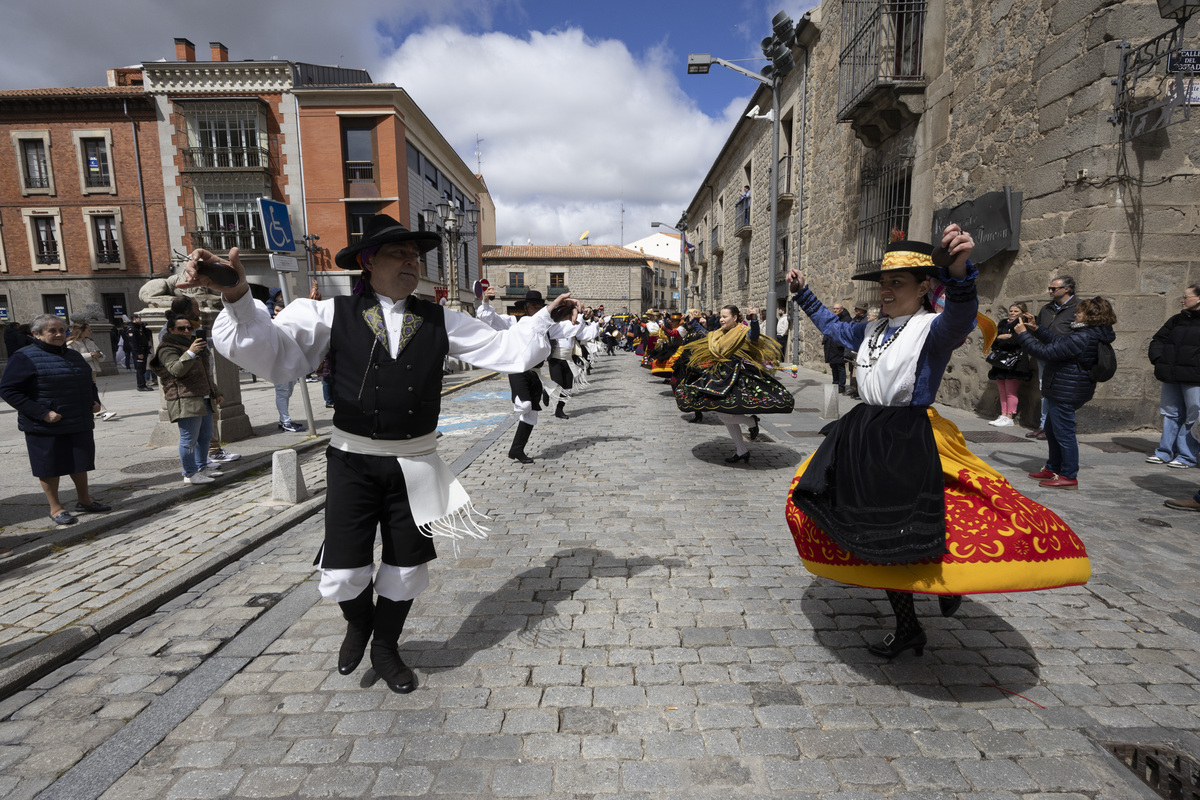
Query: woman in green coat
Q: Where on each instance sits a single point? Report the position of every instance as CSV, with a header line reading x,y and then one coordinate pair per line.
x,y
189,392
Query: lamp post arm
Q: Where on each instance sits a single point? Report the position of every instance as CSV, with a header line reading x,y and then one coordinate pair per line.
x,y
743,70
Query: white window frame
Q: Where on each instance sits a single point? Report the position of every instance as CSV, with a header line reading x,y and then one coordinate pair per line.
x,y
77,138
19,136
28,215
89,222
3,260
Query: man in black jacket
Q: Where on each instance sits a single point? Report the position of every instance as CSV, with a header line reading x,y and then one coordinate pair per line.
x,y
139,340
1056,317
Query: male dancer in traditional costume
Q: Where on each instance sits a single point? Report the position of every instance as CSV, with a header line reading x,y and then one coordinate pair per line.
x,y
385,349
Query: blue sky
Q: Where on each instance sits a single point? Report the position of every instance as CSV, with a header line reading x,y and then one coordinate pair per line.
x,y
588,118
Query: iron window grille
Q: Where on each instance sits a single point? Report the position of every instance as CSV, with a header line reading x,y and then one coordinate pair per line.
x,y
886,205
741,212
743,270
225,136
95,162
44,241
360,172
37,172
881,45
230,219
107,249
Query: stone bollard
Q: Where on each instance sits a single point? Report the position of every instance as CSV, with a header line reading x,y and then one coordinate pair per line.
x,y
830,410
287,482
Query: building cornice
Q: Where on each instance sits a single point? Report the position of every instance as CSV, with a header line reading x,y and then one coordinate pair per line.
x,y
217,77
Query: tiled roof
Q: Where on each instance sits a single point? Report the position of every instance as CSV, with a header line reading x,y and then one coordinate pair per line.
x,y
563,252
75,91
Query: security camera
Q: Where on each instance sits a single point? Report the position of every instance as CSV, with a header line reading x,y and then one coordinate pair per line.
x,y
752,113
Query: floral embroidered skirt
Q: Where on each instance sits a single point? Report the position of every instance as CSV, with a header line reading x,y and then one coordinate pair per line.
x,y
734,387
997,540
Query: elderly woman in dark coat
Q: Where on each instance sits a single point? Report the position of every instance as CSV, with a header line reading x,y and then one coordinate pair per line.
x,y
51,387
1066,385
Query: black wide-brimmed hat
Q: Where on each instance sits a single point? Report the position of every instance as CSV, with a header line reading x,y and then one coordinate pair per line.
x,y
382,229
532,296
905,255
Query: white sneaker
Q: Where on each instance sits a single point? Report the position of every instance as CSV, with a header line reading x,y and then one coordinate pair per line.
x,y
223,455
1177,464
197,478
1004,422
212,472
1154,460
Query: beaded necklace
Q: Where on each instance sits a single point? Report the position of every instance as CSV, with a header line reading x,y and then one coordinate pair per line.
x,y
875,349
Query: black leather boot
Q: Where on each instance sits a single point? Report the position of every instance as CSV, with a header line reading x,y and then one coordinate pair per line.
x,y
360,618
385,653
520,439
558,412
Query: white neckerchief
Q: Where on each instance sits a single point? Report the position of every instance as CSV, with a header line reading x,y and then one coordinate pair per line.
x,y
440,505
393,319
891,380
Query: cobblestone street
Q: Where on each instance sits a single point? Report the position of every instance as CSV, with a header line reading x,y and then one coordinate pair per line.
x,y
638,625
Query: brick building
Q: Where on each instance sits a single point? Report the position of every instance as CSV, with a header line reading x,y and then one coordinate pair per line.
x,y
82,218
997,115
595,274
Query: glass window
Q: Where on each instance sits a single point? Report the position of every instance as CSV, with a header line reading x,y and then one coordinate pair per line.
x,y
232,221
105,230
516,279
45,240
358,144
95,163
37,174
558,279
228,138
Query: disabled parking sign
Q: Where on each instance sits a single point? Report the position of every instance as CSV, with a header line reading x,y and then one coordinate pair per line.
x,y
277,227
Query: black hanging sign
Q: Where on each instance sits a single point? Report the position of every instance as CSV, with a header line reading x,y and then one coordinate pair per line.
x,y
993,219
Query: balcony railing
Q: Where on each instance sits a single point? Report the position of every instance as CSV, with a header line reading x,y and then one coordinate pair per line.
x,y
222,241
38,181
47,253
360,171
225,158
741,213
785,175
515,291
97,180
881,45
108,255
701,256
555,291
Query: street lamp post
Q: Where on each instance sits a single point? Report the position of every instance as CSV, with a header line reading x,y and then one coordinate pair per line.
x,y
778,48
454,233
681,227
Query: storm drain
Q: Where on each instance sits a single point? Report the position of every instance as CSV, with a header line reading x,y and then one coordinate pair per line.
x,y
1169,773
993,437
152,467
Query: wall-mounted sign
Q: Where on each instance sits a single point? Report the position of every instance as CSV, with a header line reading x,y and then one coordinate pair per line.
x,y
992,219
1183,61
3,313
60,311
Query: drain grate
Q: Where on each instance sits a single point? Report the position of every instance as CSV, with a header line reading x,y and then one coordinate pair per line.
x,y
1169,773
993,437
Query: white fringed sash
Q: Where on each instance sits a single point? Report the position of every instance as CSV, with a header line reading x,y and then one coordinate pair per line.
x,y
439,503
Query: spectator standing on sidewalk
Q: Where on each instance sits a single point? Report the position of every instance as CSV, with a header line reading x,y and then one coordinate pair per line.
x,y
1175,354
283,391
138,340
188,395
51,387
383,469
81,342
1056,317
835,354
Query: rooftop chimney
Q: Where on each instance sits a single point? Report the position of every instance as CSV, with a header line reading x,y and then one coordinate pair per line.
x,y
219,51
184,50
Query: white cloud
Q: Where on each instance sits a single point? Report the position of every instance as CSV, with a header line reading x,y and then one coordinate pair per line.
x,y
572,127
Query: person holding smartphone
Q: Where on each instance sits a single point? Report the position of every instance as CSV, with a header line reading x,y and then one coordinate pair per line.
x,y
185,371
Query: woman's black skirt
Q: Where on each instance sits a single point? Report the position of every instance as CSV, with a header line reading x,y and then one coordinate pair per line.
x,y
875,485
61,454
734,387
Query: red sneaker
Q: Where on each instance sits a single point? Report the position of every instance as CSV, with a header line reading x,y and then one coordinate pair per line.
x,y
1044,475
1060,483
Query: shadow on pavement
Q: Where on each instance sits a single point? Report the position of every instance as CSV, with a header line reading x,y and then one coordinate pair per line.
x,y
971,649
763,453
1168,483
575,446
583,411
526,605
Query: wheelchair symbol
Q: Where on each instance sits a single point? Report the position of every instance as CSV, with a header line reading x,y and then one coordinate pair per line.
x,y
278,235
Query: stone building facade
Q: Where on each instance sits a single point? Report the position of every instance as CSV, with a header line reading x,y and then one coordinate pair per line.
x,y
896,111
595,274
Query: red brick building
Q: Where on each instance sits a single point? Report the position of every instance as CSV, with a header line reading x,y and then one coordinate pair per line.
x,y
81,200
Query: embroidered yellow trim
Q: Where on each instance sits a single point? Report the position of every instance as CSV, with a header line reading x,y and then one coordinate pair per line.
x,y
905,258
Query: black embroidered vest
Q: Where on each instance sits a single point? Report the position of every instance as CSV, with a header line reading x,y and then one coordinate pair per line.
x,y
375,395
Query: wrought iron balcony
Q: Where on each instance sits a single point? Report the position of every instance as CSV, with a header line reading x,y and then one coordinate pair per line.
x,y
97,181
786,197
38,181
515,291
48,254
880,60
741,218
108,255
247,241
701,253
555,291
225,159
360,171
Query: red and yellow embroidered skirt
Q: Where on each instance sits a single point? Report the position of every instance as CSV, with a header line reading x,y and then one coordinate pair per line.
x,y
997,540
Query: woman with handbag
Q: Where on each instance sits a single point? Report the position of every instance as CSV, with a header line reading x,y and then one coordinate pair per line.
x,y
81,342
1009,364
726,372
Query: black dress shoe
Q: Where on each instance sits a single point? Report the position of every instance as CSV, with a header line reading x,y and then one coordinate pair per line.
x,y
736,458
949,603
524,459
1034,434
699,417
391,668
891,647
754,429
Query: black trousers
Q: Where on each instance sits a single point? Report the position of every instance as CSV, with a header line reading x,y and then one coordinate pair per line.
x,y
560,373
365,493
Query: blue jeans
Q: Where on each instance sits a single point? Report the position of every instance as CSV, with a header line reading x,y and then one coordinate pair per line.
x,y
194,435
1179,405
1063,459
283,396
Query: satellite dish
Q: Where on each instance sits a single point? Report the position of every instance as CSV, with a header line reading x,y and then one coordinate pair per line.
x,y
585,235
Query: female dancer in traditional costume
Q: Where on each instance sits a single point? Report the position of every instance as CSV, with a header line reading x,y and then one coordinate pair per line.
x,y
892,498
725,372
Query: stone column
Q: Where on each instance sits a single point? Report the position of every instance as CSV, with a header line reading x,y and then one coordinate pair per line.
x,y
230,418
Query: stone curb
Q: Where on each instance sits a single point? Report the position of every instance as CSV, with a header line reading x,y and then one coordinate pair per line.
x,y
63,646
